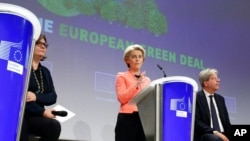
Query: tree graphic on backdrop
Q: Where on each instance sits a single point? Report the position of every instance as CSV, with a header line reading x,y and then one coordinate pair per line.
x,y
136,14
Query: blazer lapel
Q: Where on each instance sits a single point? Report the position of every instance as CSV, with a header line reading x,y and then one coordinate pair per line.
x,y
205,104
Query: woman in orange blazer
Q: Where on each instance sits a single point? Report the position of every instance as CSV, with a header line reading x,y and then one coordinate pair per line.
x,y
128,85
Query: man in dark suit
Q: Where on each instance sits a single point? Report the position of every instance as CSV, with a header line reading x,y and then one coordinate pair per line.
x,y
206,128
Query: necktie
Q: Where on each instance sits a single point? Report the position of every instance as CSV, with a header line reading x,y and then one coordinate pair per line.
x,y
214,115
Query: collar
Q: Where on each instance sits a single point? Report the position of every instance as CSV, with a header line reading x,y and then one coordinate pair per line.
x,y
207,93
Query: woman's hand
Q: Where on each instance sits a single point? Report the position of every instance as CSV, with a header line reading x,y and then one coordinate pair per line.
x,y
140,79
48,113
30,96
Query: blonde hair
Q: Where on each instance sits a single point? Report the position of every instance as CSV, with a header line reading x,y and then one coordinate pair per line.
x,y
132,48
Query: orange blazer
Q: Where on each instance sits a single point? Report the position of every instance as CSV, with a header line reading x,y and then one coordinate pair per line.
x,y
127,89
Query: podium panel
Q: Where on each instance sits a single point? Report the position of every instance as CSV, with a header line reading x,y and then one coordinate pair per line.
x,y
177,100
166,109
17,33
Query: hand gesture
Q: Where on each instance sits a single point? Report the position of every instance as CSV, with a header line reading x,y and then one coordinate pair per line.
x,y
140,80
30,96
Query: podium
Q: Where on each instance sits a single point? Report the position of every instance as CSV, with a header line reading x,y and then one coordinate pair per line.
x,y
166,108
19,29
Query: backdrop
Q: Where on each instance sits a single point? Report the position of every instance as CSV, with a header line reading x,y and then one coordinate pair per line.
x,y
87,38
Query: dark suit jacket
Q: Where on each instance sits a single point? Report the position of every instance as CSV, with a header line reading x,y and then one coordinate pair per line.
x,y
202,115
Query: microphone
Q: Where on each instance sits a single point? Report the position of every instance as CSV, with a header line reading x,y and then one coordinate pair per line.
x,y
164,74
60,113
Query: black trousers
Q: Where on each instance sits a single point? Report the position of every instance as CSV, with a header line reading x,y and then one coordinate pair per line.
x,y
46,128
129,128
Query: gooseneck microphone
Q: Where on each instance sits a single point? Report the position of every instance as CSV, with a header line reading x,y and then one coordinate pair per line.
x,y
164,74
60,113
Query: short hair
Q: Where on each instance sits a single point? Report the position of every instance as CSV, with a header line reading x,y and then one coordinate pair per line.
x,y
130,48
42,36
205,75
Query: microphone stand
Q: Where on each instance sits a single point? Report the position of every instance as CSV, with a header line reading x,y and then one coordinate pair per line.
x,y
164,74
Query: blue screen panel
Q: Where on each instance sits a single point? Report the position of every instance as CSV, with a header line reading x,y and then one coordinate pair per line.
x,y
177,111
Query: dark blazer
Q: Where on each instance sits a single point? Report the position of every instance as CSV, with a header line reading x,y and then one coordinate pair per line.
x,y
47,98
202,115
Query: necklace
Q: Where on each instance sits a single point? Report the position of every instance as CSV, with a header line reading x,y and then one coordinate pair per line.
x,y
40,87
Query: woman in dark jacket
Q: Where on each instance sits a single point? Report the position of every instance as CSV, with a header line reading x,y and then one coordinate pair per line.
x,y
37,119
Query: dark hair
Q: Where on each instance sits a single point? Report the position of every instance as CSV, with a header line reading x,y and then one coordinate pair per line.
x,y
42,36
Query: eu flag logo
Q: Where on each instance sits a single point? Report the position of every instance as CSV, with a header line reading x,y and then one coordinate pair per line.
x,y
16,55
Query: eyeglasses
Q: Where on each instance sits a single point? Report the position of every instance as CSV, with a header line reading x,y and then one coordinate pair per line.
x,y
42,44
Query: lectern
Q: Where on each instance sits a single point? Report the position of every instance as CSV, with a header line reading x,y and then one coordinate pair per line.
x,y
166,108
19,29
